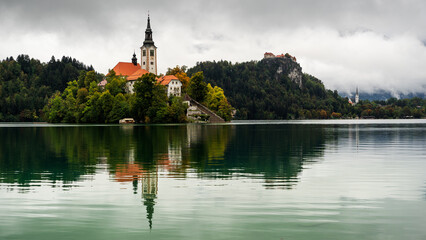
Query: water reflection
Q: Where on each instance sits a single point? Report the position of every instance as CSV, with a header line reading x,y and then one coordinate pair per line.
x,y
213,182
67,153
61,157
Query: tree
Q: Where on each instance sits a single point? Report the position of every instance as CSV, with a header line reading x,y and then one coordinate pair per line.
x,y
82,95
176,110
120,109
106,100
157,111
197,88
180,73
116,84
216,101
54,109
90,77
323,114
143,97
335,115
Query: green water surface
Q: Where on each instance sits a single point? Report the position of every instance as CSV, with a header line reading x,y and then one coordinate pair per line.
x,y
361,179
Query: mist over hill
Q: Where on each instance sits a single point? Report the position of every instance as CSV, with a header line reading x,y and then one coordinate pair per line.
x,y
383,95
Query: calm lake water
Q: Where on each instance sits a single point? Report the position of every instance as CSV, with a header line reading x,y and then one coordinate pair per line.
x,y
244,180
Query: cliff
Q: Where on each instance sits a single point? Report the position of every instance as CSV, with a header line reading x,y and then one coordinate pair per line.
x,y
286,67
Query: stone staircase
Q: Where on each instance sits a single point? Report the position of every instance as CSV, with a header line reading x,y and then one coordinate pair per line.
x,y
214,118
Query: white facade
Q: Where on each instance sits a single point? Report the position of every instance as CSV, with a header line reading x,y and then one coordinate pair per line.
x,y
149,58
174,88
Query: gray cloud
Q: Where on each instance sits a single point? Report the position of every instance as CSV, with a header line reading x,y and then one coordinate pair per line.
x,y
373,44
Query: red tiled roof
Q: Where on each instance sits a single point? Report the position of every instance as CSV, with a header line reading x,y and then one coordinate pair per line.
x,y
165,80
139,73
125,68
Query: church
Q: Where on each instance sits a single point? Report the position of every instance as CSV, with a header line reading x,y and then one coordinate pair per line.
x,y
148,64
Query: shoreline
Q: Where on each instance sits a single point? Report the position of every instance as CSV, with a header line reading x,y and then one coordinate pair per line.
x,y
234,122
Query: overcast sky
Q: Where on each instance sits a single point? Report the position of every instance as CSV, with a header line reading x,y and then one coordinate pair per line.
x,y
375,44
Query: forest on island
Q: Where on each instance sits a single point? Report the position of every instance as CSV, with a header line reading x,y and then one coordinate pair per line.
x,y
66,90
83,101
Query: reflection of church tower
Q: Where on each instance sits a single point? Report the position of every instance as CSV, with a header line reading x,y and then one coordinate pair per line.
x,y
149,193
149,51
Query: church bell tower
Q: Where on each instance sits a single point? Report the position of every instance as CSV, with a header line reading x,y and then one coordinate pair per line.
x,y
149,51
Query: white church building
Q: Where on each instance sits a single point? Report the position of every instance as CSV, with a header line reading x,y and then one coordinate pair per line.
x,y
134,70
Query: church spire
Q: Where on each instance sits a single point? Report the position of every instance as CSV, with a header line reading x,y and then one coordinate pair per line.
x,y
148,26
149,51
356,95
148,34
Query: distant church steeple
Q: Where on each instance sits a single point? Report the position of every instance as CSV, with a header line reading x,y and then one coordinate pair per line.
x,y
149,51
134,59
356,96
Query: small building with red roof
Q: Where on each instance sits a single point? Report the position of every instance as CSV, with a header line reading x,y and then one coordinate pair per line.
x,y
174,86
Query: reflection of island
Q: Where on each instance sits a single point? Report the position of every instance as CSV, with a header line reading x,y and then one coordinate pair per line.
x,y
276,153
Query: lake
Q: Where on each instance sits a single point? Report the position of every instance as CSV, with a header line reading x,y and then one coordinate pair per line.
x,y
343,179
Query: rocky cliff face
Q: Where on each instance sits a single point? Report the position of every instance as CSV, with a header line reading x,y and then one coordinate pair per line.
x,y
288,67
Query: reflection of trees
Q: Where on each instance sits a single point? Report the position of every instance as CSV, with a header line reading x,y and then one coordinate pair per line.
x,y
25,156
207,145
276,153
271,151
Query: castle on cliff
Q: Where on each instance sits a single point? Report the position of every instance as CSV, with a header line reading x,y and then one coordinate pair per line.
x,y
271,55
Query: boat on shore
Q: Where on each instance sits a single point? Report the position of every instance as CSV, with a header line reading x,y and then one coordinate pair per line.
x,y
126,121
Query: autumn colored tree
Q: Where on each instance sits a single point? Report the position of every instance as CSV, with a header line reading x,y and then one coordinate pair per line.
x,y
335,115
217,102
323,114
180,73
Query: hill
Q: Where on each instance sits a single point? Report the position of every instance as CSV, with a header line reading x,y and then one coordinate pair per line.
x,y
273,88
